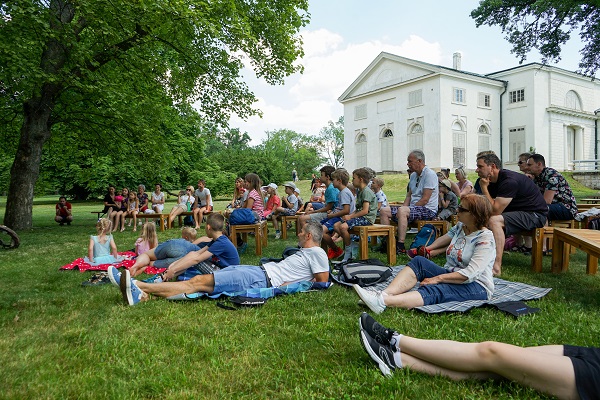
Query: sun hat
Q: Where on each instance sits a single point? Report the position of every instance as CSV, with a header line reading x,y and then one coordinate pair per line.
x,y
290,184
447,183
272,186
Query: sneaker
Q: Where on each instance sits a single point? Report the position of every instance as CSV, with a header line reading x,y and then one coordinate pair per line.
x,y
400,251
373,300
383,355
154,279
114,275
419,251
132,294
412,231
332,254
412,253
277,235
375,330
242,249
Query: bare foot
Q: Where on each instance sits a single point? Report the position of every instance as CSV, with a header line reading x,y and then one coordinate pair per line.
x,y
135,229
122,229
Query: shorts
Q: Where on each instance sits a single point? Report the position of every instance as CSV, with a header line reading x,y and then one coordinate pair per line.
x,y
358,221
517,221
318,216
558,212
149,211
287,211
237,278
586,363
144,208
172,250
443,292
160,207
330,222
446,213
420,213
317,205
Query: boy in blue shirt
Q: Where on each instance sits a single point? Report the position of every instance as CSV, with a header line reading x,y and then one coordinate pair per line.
x,y
345,205
331,198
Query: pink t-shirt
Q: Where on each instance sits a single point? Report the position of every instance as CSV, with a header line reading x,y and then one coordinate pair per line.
x,y
141,246
258,205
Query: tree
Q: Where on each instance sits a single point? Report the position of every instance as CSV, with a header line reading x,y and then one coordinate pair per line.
x,y
111,67
545,25
331,140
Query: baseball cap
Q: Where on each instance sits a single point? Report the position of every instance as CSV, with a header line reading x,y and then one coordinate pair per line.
x,y
272,186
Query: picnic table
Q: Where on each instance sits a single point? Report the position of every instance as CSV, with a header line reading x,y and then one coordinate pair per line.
x,y
585,239
591,200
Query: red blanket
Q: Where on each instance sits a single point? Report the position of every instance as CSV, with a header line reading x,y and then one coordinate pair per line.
x,y
126,263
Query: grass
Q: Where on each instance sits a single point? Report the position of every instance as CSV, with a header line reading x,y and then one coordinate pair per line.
x,y
62,340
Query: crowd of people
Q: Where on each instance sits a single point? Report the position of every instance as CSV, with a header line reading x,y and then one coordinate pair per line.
x,y
500,203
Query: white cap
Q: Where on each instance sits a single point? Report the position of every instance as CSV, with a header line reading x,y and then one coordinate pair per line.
x,y
297,190
290,184
272,186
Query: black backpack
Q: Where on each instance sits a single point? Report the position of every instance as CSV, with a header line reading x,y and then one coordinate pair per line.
x,y
365,273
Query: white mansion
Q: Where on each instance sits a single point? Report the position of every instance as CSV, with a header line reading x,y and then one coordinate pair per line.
x,y
398,104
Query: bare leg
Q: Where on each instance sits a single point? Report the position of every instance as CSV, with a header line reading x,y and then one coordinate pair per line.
x,y
135,213
115,220
496,225
199,283
274,218
403,214
122,216
141,262
327,238
544,369
385,214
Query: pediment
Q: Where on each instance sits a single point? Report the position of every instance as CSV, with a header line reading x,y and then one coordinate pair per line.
x,y
387,70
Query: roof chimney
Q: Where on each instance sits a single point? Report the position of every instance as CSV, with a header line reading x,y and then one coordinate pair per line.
x,y
456,61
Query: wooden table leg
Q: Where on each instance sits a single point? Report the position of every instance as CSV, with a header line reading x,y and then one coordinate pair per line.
x,y
363,244
558,257
537,253
592,265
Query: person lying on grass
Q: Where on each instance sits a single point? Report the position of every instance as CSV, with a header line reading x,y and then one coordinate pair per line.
x,y
185,260
467,274
308,264
563,371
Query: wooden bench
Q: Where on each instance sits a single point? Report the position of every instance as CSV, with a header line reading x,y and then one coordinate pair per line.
x,y
288,219
546,233
584,239
163,218
260,234
364,232
98,213
186,214
442,227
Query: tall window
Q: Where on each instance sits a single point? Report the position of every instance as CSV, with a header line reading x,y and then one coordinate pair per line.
x,y
458,144
516,96
415,98
484,139
361,148
387,148
415,137
459,96
516,143
572,100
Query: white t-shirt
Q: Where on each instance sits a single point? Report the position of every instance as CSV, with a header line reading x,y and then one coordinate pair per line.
x,y
201,196
300,266
185,199
157,197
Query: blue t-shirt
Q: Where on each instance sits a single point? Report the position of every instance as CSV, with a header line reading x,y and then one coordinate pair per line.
x,y
223,252
331,195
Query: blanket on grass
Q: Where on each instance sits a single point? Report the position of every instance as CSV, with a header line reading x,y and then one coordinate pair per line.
x,y
263,293
127,262
504,291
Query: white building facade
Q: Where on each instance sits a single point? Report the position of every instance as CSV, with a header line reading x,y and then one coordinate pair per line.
x,y
398,104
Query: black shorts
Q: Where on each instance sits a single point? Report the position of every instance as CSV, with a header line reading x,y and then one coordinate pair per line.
x,y
586,363
517,221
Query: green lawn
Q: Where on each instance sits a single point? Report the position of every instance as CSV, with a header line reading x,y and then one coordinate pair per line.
x,y
62,340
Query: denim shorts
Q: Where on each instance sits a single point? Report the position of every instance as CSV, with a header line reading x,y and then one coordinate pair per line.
x,y
172,250
237,278
443,292
558,212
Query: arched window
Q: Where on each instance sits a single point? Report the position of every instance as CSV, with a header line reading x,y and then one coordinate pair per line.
x,y
415,137
386,146
483,142
387,133
459,144
361,149
572,100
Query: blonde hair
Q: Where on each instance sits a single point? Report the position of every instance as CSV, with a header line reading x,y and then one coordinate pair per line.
x,y
103,226
149,234
188,234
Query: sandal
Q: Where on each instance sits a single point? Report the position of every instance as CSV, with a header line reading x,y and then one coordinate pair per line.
x,y
100,278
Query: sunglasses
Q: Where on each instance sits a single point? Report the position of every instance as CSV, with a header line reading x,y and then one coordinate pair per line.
x,y
522,162
462,209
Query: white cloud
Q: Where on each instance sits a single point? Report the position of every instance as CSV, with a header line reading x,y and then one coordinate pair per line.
x,y
308,101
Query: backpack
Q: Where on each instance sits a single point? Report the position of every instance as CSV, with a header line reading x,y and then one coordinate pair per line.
x,y
425,237
242,216
365,273
188,220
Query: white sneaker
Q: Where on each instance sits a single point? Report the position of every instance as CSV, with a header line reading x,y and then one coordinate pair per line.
x,y
412,230
373,300
277,235
140,223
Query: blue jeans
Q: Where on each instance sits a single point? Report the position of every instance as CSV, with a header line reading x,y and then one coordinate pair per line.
x,y
172,250
443,292
237,278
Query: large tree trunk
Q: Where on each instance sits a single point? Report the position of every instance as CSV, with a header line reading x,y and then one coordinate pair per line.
x,y
26,166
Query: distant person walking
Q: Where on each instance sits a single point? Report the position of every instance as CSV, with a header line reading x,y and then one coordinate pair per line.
x,y
294,175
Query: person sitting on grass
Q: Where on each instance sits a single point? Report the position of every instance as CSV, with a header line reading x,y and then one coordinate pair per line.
x,y
364,214
562,371
467,274
63,211
102,248
289,206
308,264
185,260
188,233
346,203
331,195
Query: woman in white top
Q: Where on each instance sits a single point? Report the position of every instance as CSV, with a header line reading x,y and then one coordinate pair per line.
x,y
184,203
467,274
158,199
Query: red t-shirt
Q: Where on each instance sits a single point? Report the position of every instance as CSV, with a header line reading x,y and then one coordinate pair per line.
x,y
62,212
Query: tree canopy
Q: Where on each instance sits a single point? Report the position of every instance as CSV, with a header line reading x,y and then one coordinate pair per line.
x,y
114,74
331,140
546,25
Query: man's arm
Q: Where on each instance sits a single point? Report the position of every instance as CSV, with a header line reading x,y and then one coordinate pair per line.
x,y
191,258
549,196
327,207
425,199
499,203
321,276
407,199
356,214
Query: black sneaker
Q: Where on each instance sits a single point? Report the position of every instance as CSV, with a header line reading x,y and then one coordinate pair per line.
x,y
375,330
381,354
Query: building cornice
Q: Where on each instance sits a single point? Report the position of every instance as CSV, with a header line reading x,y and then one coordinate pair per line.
x,y
572,113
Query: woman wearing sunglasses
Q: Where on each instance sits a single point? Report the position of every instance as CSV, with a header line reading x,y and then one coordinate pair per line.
x,y
467,274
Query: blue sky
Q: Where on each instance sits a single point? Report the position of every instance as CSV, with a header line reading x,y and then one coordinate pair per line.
x,y
343,37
